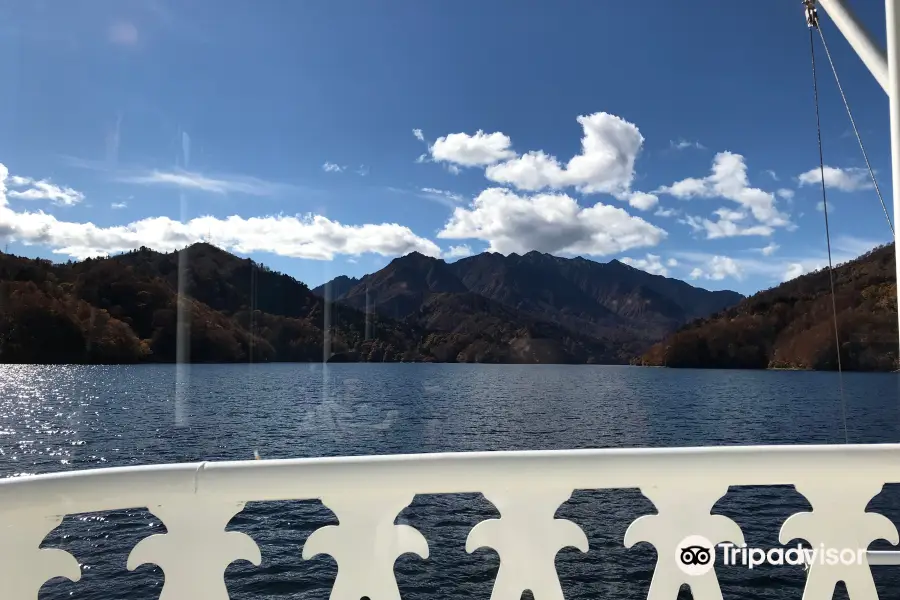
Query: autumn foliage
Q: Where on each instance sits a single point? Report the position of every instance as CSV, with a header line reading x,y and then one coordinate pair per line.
x,y
792,326
205,305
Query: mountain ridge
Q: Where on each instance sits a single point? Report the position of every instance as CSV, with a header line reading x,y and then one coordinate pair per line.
x,y
136,306
612,302
792,325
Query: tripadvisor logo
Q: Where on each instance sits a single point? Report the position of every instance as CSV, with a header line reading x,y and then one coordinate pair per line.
x,y
696,555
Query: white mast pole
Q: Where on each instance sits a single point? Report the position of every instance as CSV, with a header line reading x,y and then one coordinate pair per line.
x,y
885,67
869,51
892,20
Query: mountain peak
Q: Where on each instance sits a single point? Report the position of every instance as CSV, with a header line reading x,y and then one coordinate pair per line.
x,y
416,257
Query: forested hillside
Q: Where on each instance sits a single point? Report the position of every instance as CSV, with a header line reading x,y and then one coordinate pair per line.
x,y
128,309
791,326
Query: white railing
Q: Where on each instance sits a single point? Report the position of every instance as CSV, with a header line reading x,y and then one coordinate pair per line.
x,y
196,501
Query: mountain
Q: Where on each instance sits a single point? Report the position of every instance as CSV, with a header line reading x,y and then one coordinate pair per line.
x,y
590,296
402,287
623,308
792,325
339,286
426,293
135,307
127,308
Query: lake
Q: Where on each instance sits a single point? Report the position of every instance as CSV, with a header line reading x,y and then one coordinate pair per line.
x,y
77,417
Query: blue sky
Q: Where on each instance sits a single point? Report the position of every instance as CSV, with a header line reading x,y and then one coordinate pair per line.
x,y
327,138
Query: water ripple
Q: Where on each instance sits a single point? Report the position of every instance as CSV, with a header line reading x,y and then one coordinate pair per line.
x,y
78,417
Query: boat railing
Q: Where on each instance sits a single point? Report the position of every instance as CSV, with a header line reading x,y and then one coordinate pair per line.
x,y
196,501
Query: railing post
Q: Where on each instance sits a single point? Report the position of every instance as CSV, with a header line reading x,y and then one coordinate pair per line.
x,y
892,22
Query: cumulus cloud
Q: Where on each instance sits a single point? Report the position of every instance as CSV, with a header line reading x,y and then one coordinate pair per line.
x,y
552,223
419,135
708,266
609,147
665,212
793,271
785,193
330,167
475,150
222,184
846,180
684,145
41,190
718,268
461,251
641,200
727,224
651,263
309,236
768,250
728,180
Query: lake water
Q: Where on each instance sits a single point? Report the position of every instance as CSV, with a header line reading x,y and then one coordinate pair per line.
x,y
78,417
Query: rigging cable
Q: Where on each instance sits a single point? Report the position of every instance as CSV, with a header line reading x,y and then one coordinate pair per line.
x,y
812,20
855,130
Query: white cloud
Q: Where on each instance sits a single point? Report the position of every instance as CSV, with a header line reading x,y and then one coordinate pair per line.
x,y
330,167
671,263
651,264
453,169
191,180
768,250
472,150
665,212
461,251
820,206
609,148
419,135
684,144
785,193
42,190
444,197
362,171
552,223
309,236
725,226
772,174
118,205
844,248
423,158
729,180
718,268
846,180
642,200
793,271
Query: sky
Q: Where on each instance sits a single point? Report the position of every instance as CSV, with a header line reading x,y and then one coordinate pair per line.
x,y
328,138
